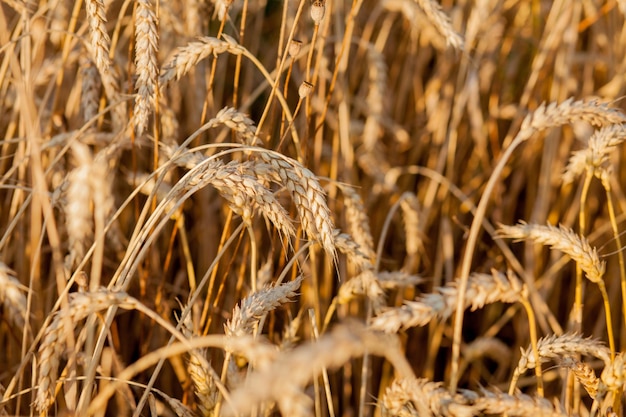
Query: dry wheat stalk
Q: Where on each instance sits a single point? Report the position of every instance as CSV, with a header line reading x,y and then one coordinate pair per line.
x,y
597,152
53,343
482,289
248,312
146,49
187,57
569,111
420,397
557,347
309,198
562,239
12,299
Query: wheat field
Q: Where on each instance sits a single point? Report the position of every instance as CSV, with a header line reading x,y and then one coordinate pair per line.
x,y
312,208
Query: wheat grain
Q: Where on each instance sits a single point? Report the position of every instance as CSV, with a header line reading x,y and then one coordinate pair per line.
x,y
146,49
99,47
410,214
53,343
366,283
205,388
90,90
247,314
421,397
557,347
12,298
562,239
241,124
597,152
584,374
308,196
569,111
346,244
78,215
292,370
441,22
496,402
358,221
482,289
188,56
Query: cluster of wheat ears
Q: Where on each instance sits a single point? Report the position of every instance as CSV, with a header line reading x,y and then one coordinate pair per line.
x,y
312,208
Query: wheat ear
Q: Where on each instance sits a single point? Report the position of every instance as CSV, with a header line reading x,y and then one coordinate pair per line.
x,y
308,195
566,345
482,289
188,56
250,310
12,299
562,239
421,397
146,49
